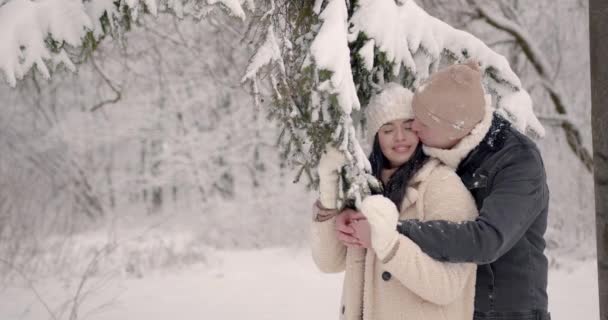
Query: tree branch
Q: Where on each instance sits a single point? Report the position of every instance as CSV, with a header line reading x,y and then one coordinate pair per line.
x,y
545,71
31,285
117,91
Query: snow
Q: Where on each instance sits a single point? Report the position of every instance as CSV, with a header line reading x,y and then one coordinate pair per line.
x,y
411,37
367,53
266,54
135,9
517,107
97,8
317,6
269,284
391,26
401,30
329,50
24,26
234,7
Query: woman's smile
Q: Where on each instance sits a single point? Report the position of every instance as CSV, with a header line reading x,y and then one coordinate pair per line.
x,y
402,148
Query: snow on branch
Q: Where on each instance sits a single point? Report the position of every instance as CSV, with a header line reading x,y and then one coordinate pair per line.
x,y
24,26
330,52
41,33
411,38
266,54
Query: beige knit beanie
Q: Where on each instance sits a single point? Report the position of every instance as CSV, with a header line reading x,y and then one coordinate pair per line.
x,y
393,102
451,100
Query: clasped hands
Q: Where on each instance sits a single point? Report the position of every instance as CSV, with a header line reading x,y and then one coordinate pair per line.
x,y
373,227
353,229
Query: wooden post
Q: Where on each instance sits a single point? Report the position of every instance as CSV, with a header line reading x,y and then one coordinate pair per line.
x,y
598,35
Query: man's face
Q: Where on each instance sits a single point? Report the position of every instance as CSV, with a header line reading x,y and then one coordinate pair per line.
x,y
432,136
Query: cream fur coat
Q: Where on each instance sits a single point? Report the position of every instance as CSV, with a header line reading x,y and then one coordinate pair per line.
x,y
410,285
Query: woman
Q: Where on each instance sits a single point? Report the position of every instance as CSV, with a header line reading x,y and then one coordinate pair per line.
x,y
391,278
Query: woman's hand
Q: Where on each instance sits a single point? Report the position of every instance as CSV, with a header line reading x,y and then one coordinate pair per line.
x,y
344,230
352,229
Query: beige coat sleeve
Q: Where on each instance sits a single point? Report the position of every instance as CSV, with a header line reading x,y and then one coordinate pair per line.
x,y
328,253
444,198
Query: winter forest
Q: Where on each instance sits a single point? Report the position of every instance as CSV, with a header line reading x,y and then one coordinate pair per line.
x,y
159,158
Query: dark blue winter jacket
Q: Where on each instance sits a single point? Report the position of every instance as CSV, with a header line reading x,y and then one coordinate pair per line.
x,y
506,176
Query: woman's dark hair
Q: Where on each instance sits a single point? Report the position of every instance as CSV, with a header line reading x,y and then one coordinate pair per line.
x,y
397,184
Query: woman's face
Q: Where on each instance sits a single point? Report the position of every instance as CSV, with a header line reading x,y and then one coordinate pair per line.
x,y
397,141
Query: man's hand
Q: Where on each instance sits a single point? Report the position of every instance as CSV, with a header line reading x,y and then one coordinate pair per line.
x,y
363,232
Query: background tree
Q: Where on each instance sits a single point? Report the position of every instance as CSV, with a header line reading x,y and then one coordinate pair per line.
x,y
558,33
598,10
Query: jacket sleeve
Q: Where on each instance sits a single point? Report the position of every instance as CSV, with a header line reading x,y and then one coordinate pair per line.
x,y
518,195
438,282
328,253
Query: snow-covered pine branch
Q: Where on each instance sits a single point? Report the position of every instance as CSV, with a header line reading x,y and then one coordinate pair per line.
x,y
352,48
24,26
47,33
313,88
419,43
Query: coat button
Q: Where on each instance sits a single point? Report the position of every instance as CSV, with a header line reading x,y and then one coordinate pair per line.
x,y
386,276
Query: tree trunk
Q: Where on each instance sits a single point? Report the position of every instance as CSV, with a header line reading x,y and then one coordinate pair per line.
x,y
598,33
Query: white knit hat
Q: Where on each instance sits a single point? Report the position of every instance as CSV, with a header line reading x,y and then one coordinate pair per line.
x,y
393,102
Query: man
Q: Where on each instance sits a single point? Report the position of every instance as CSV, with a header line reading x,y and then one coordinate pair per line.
x,y
504,171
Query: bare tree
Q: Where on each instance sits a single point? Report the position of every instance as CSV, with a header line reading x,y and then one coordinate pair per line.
x,y
506,21
509,30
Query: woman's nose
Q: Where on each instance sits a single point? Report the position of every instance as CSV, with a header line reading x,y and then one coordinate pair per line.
x,y
400,134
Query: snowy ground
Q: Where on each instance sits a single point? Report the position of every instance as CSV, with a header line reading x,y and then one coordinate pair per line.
x,y
269,284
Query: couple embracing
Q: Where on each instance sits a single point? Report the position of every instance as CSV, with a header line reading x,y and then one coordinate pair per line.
x,y
458,232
